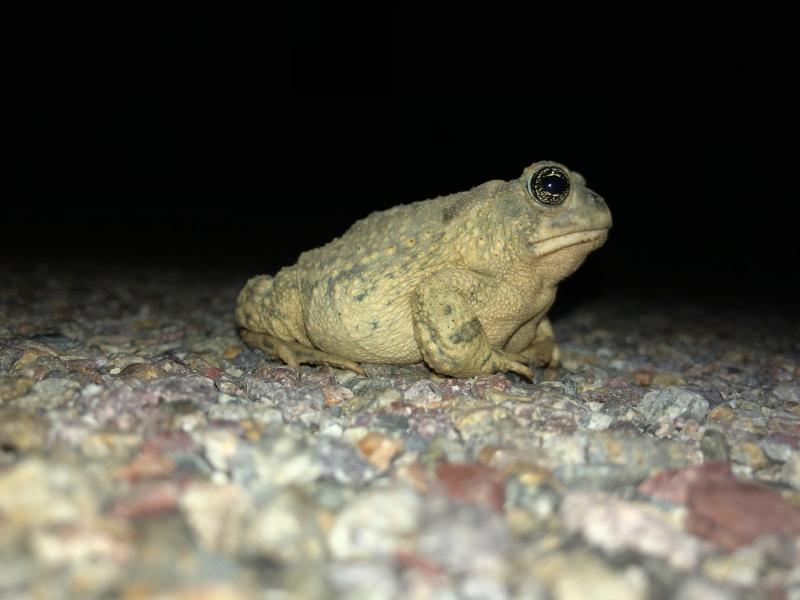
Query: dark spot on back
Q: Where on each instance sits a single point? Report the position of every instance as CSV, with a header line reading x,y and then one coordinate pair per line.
x,y
452,211
350,274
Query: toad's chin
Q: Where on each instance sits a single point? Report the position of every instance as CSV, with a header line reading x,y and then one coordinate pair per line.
x,y
595,237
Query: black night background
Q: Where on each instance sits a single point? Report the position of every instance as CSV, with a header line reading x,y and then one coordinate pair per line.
x,y
205,139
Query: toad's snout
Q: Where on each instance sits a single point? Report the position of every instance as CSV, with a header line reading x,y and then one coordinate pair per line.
x,y
600,212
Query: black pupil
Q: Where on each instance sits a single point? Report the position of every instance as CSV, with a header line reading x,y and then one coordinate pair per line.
x,y
554,184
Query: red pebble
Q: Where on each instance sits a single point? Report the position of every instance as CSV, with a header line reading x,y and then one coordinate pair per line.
x,y
148,500
673,485
474,483
169,441
722,509
213,372
734,513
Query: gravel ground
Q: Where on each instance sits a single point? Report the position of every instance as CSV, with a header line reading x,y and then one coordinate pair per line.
x,y
145,452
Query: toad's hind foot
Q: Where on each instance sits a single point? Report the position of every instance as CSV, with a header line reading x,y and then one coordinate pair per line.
x,y
294,353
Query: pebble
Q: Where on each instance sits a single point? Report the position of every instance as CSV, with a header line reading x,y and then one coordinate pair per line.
x,y
732,513
343,462
12,388
787,391
463,537
141,371
364,580
750,454
714,445
791,470
48,394
697,588
147,499
672,403
219,445
380,449
580,575
611,458
148,464
184,415
617,526
740,568
675,485
110,444
539,498
216,514
474,483
21,431
666,379
285,528
94,554
377,523
597,421
35,493
722,413
776,450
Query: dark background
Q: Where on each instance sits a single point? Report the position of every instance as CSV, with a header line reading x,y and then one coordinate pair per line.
x,y
231,141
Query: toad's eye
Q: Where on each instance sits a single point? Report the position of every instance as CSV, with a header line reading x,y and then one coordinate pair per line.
x,y
549,185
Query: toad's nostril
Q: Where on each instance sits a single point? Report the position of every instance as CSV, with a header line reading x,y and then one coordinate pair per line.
x,y
595,198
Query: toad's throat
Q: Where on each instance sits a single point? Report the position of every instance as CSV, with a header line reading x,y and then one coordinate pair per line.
x,y
553,244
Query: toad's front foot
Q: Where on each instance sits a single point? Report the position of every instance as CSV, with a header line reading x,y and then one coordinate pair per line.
x,y
542,354
500,360
534,344
294,353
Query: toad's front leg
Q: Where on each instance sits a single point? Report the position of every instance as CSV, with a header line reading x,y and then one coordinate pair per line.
x,y
450,335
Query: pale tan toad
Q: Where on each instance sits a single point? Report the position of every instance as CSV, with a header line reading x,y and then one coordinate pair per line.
x,y
461,282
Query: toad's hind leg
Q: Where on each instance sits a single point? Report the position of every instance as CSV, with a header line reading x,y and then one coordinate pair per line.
x,y
294,353
269,312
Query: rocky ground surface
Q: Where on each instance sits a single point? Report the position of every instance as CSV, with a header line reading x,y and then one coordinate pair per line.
x,y
145,452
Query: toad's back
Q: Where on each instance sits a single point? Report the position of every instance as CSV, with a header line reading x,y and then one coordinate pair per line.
x,y
354,290
382,239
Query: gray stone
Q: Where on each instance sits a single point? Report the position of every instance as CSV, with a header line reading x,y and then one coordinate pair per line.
x,y
48,394
791,470
285,528
714,445
278,460
597,421
787,391
343,462
617,526
776,450
672,403
542,500
464,538
696,588
364,580
377,523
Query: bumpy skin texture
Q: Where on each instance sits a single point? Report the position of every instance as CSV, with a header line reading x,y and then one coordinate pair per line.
x,y
462,282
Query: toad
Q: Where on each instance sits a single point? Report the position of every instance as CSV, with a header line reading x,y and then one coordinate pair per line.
x,y
462,282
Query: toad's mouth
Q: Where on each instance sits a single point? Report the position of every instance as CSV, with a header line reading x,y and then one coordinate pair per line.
x,y
550,245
